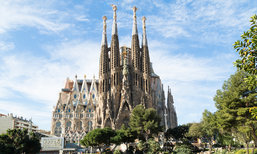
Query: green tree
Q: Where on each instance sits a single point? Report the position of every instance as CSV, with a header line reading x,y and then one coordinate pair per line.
x,y
195,131
243,134
124,135
18,141
178,133
150,146
145,122
233,102
98,137
209,127
247,49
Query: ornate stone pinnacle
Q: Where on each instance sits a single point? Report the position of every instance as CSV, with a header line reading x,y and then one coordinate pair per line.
x,y
124,53
104,25
104,18
134,9
144,19
114,7
134,13
85,76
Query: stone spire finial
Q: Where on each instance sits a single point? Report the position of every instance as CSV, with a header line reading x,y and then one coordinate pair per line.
x,y
75,85
114,25
134,11
104,21
104,37
134,30
144,32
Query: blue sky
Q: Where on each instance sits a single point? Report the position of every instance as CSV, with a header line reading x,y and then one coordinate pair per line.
x,y
190,41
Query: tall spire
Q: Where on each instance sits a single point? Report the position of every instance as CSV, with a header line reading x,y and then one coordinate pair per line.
x,y
144,42
134,30
104,37
104,51
115,53
114,24
146,57
135,48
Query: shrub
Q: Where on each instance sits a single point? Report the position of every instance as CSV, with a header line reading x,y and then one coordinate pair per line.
x,y
183,149
151,146
117,152
243,151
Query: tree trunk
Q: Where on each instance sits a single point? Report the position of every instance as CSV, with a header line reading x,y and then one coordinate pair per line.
x,y
229,147
247,147
253,148
210,146
254,135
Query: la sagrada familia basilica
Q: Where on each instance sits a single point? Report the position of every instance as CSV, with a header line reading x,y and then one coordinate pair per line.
x,y
126,79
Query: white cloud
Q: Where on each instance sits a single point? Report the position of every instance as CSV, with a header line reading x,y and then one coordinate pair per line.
x,y
82,18
5,46
40,116
14,14
193,80
219,20
41,79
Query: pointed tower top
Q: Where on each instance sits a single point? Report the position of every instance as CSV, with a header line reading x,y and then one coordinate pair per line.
x,y
114,7
144,32
134,30
75,85
85,76
104,37
114,24
134,10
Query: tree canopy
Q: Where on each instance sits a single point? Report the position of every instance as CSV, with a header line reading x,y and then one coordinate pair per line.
x,y
124,135
247,49
98,136
233,102
178,133
145,122
18,141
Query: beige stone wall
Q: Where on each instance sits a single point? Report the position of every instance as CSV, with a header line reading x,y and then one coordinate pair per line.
x,y
6,122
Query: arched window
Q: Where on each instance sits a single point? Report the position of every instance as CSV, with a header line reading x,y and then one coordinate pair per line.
x,y
58,129
80,125
68,125
90,125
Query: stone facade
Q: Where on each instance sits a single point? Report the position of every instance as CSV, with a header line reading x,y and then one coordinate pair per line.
x,y
75,108
126,79
13,122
